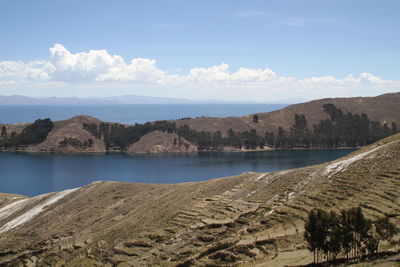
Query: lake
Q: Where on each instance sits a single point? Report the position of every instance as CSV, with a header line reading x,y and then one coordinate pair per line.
x,y
32,174
129,114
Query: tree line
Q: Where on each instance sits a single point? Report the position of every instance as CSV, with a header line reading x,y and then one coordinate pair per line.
x,y
349,233
74,142
32,134
338,130
119,137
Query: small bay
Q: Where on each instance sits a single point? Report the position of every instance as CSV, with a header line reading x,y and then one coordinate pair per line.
x,y
32,174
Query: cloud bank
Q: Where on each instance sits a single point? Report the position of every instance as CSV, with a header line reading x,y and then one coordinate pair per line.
x,y
97,69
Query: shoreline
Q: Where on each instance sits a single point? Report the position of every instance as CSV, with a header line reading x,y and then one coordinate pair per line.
x,y
174,152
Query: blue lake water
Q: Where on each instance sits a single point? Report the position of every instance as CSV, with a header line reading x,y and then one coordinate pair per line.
x,y
129,114
32,174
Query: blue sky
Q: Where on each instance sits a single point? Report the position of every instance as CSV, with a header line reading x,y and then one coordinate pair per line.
x,y
301,48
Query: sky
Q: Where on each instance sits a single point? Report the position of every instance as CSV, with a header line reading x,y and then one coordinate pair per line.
x,y
229,50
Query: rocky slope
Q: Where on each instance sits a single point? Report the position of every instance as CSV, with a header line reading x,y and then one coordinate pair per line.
x,y
247,220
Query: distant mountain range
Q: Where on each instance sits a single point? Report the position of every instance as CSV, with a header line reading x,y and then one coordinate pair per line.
x,y
115,100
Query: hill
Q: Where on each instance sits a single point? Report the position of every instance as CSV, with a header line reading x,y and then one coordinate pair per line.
x,y
327,123
383,108
248,219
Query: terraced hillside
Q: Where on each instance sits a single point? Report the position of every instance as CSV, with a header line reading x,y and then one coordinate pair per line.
x,y
245,220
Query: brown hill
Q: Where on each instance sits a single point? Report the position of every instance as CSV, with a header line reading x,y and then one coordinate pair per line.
x,y
71,136
160,142
70,129
383,108
249,219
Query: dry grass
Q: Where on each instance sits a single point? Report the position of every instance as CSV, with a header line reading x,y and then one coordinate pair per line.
x,y
381,108
247,219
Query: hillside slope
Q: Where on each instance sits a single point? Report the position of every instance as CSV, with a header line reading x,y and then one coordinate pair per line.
x,y
252,218
383,108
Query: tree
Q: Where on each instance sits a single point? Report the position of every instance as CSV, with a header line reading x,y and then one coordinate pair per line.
x,y
32,134
251,140
89,142
333,239
281,139
299,132
325,133
386,130
349,232
383,229
360,227
346,232
310,233
217,141
255,118
300,121
394,127
3,131
334,113
316,229
270,139
233,139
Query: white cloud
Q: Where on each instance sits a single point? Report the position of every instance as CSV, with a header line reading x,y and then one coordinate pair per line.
x,y
370,78
16,71
221,74
98,70
85,66
319,80
211,74
140,70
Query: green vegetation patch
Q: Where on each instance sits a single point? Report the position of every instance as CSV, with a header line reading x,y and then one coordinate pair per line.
x,y
32,134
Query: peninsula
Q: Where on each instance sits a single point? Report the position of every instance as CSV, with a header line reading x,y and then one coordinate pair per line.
x,y
325,123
